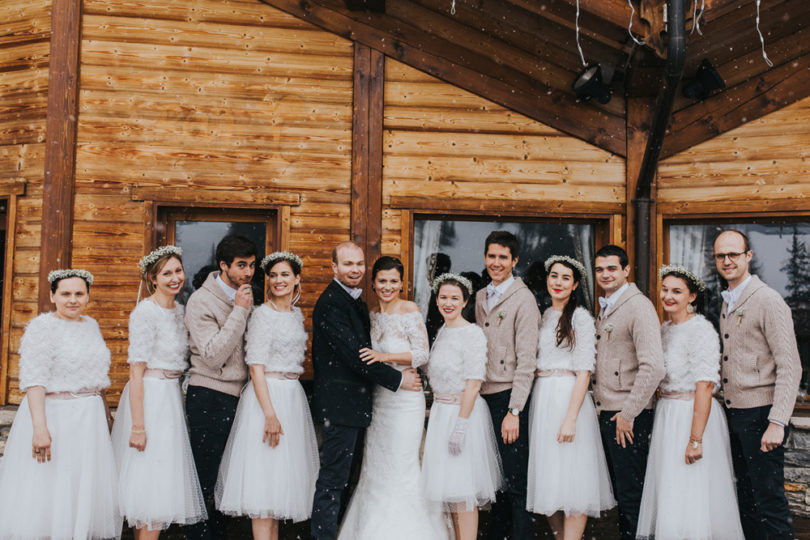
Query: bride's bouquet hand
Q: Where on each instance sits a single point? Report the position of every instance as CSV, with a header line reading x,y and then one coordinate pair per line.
x,y
272,431
370,356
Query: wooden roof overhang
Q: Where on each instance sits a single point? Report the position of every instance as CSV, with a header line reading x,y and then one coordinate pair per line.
x,y
522,54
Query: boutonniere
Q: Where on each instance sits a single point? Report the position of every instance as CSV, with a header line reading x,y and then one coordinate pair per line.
x,y
501,315
608,328
740,314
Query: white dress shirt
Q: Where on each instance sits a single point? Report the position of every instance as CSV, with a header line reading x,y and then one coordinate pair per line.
x,y
230,291
494,292
355,292
731,296
606,302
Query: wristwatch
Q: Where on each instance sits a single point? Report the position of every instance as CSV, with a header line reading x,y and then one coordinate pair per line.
x,y
515,412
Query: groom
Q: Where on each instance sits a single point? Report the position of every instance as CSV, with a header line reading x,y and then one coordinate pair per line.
x,y
344,384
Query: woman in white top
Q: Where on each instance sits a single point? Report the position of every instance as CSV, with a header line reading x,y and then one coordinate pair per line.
x,y
58,474
689,486
388,501
157,480
270,463
461,465
568,477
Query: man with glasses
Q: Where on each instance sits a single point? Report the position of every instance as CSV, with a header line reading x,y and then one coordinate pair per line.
x,y
761,370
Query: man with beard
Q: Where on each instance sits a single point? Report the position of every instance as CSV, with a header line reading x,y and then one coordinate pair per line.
x,y
216,317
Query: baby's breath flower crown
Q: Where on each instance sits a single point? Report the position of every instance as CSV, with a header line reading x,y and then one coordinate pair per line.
x,y
683,272
449,276
149,260
56,275
566,259
277,256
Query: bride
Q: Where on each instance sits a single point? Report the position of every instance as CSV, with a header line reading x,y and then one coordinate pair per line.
x,y
388,501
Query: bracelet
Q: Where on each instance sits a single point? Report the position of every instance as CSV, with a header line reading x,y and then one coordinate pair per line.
x,y
138,431
695,439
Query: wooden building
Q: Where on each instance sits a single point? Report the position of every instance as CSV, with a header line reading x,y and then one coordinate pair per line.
x,y
324,120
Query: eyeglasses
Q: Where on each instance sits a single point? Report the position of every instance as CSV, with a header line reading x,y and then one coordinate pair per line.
x,y
733,257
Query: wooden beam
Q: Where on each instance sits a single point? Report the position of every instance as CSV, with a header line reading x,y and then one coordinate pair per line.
x,y
60,142
774,89
13,187
507,207
191,196
367,149
433,55
7,291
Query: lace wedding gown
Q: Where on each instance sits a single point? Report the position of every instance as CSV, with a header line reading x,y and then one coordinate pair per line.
x,y
388,501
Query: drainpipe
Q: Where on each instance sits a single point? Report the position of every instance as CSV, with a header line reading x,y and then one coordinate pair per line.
x,y
676,53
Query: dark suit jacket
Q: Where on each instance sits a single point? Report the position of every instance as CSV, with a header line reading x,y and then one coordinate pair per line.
x,y
344,384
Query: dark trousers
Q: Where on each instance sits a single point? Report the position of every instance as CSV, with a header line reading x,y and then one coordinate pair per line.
x,y
627,466
760,476
341,445
210,415
509,509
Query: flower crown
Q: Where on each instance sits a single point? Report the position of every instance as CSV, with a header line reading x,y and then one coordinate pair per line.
x,y
568,260
277,256
149,260
681,271
56,275
449,276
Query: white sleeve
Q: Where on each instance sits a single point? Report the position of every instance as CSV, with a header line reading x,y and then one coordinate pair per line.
x,y
584,354
418,339
36,355
474,350
705,353
258,339
142,335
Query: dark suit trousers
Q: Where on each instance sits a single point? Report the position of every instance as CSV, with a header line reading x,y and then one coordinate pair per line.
x,y
341,444
760,476
627,466
210,415
509,510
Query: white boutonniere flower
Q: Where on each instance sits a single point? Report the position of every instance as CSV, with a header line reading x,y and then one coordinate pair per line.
x,y
608,328
740,314
501,315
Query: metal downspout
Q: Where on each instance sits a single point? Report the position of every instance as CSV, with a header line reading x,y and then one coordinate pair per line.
x,y
676,54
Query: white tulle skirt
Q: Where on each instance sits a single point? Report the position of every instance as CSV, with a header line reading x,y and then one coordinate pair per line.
x,y
260,481
695,501
471,478
569,477
159,486
73,496
389,501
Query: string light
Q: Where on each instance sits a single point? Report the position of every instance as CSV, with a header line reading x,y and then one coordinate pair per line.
x,y
453,7
579,47
762,40
696,16
630,26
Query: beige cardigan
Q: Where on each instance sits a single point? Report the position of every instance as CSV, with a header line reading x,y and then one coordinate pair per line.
x,y
629,358
216,337
760,361
511,341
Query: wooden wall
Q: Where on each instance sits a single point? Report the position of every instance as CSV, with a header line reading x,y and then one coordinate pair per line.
x,y
24,52
203,98
445,149
761,166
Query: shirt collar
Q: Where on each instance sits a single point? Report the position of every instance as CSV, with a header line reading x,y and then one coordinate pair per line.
x,y
611,300
732,296
227,289
354,292
503,286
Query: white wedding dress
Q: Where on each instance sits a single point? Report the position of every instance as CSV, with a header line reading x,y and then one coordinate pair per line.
x,y
388,501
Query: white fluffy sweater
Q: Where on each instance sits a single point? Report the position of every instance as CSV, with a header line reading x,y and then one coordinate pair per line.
x,y
276,339
63,356
458,355
583,355
158,336
691,354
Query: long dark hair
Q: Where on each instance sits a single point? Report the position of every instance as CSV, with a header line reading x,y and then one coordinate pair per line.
x,y
565,326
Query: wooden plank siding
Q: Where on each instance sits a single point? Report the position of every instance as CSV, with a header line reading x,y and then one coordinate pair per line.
x,y
759,167
197,95
24,54
447,150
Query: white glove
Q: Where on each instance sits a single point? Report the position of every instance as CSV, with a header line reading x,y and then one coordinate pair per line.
x,y
456,442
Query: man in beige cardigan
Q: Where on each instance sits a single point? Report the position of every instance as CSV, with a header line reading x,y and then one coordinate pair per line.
x,y
629,366
216,317
760,368
507,312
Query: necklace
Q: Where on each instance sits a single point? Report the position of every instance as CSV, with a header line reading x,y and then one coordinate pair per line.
x,y
276,307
